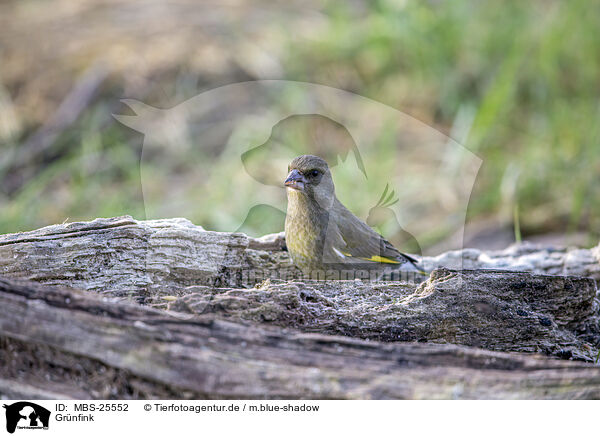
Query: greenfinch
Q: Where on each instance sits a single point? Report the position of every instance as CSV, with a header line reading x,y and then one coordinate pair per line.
x,y
327,241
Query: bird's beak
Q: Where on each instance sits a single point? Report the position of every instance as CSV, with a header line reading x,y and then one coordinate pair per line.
x,y
295,180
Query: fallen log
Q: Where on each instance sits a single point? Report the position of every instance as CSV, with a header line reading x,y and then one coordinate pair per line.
x,y
141,259
224,315
495,310
62,343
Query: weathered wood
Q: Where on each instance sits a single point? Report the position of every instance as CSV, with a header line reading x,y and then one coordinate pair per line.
x,y
496,310
246,337
139,259
525,257
99,348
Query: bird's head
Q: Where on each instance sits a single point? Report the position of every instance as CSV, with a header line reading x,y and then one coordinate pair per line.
x,y
309,176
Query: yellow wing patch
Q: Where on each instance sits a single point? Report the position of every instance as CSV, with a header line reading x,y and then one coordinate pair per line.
x,y
380,259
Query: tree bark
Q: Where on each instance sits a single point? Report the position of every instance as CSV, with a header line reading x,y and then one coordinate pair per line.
x,y
69,344
133,258
224,315
495,310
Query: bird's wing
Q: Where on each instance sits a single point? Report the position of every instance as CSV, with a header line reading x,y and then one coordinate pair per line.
x,y
360,241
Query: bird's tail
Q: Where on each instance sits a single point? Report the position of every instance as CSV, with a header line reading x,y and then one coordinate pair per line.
x,y
415,263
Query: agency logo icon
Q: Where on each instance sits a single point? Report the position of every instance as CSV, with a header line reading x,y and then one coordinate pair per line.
x,y
221,158
26,415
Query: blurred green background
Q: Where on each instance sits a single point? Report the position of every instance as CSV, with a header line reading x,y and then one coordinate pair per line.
x,y
517,83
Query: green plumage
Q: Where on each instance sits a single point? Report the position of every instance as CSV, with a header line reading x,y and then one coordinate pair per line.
x,y
322,235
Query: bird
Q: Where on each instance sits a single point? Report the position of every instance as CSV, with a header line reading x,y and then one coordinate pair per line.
x,y
324,239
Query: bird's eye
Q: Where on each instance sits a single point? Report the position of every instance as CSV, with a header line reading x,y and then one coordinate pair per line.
x,y
313,173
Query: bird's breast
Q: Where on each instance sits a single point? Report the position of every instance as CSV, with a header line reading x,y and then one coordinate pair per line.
x,y
303,235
